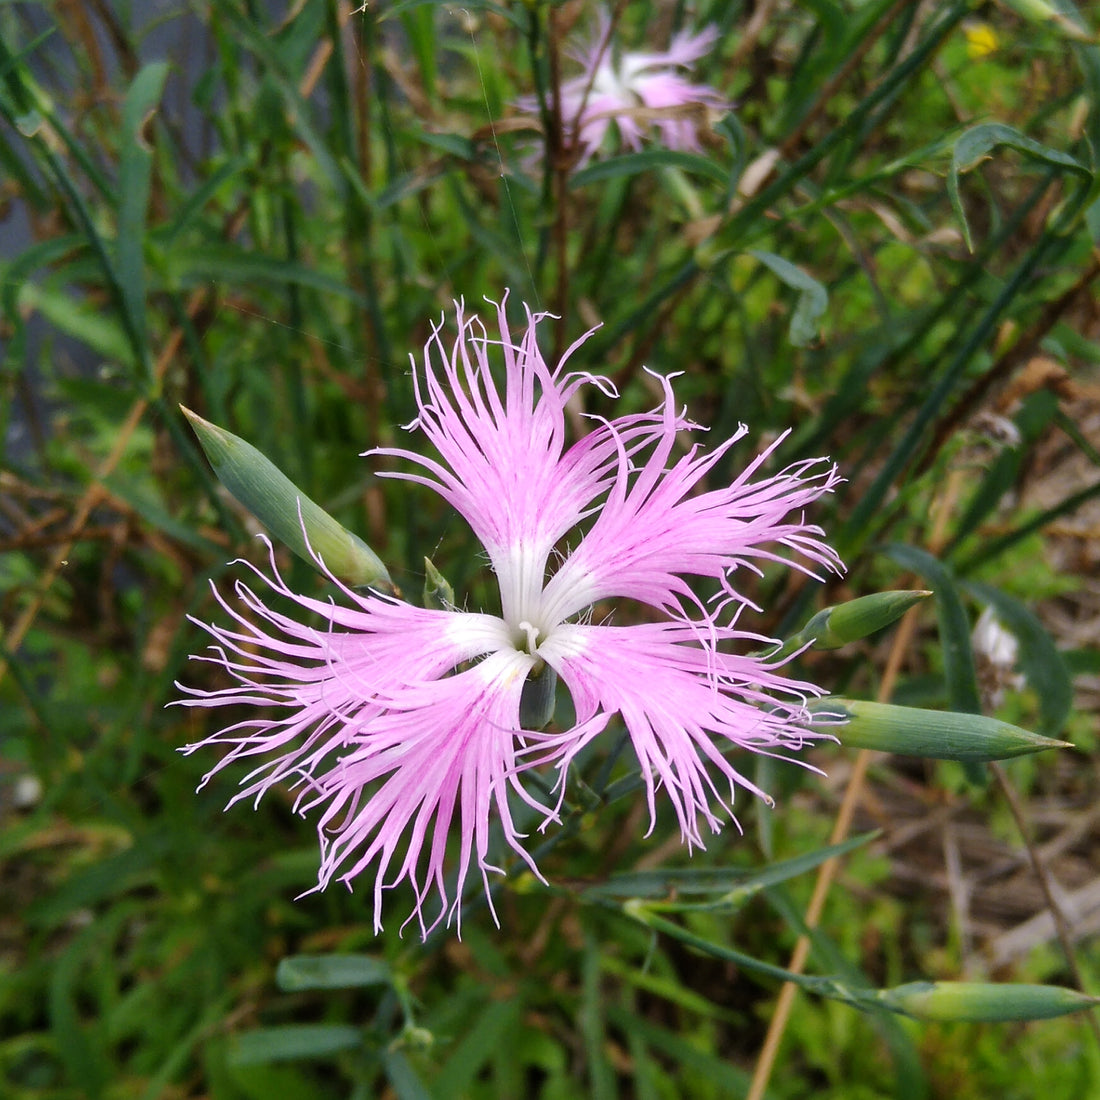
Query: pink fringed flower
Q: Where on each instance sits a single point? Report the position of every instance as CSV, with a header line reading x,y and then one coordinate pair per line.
x,y
401,726
633,91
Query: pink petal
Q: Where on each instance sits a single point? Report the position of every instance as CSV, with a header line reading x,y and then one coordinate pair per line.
x,y
684,48
611,89
436,758
685,705
375,704
652,529
502,458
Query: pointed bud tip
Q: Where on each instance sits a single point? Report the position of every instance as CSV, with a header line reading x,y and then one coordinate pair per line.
x,y
438,593
199,423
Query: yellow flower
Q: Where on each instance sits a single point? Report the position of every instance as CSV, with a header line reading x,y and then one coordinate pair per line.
x,y
981,40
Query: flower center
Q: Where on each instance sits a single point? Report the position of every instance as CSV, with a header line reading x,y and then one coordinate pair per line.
x,y
610,82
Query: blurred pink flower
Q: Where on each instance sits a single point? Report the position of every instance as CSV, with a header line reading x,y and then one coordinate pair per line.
x,y
634,90
402,725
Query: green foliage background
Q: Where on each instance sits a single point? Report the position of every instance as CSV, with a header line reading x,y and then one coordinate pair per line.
x,y
259,211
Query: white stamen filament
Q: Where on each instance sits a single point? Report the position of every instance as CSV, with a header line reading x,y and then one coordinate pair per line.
x,y
532,633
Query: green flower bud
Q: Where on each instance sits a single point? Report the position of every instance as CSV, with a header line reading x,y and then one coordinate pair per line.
x,y
438,593
983,1001
276,501
940,734
835,626
848,622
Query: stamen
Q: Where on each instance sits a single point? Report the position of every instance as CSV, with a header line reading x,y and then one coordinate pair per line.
x,y
532,633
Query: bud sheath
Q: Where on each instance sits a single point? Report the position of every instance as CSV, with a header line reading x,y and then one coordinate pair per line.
x,y
286,511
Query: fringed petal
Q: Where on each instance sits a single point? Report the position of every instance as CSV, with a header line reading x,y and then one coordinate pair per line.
x,y
654,528
434,761
685,706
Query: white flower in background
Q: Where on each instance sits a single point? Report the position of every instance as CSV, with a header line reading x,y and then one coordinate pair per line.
x,y
995,652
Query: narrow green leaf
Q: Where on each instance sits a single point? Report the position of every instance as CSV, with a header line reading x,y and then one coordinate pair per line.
x,y
10,63
263,1081
1035,417
402,1077
15,282
298,111
940,734
993,547
978,142
31,113
958,658
752,212
592,1024
42,129
823,986
139,497
812,301
134,177
490,1028
999,477
633,164
298,972
1080,662
924,1000
860,524
293,1041
1088,60
421,32
833,21
1041,12
829,956
81,1046
683,1051
666,986
226,263
99,882
454,145
99,329
400,188
197,200
687,881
